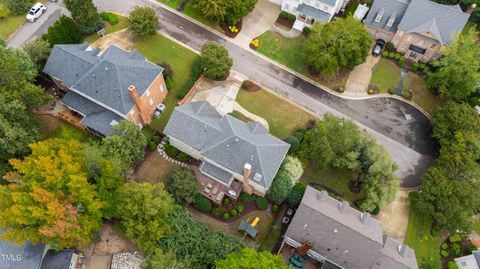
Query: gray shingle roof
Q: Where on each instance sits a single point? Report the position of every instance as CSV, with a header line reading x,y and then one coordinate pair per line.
x,y
315,13
339,234
57,259
443,21
328,2
228,141
476,255
216,172
27,256
387,8
96,117
104,77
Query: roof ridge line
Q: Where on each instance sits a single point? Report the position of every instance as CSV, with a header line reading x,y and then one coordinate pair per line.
x,y
120,90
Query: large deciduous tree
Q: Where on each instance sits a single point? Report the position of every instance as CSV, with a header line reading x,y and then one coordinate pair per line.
x,y
18,6
143,211
215,61
165,260
249,258
63,31
183,185
456,74
343,43
226,11
48,198
287,176
143,21
38,51
85,15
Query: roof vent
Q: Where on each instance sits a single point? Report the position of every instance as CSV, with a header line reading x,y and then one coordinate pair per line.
x,y
401,250
322,196
364,217
113,123
335,231
236,140
257,177
392,19
305,226
379,16
106,68
342,206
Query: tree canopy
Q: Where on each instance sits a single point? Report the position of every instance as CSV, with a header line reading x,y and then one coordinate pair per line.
x,y
143,21
249,258
85,15
287,176
49,199
456,74
183,185
342,43
165,260
215,61
63,31
38,51
229,11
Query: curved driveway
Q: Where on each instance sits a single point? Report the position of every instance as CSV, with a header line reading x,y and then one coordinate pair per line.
x,y
397,125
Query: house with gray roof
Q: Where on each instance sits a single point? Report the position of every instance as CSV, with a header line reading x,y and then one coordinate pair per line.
x,y
104,87
231,151
417,28
471,261
339,236
308,12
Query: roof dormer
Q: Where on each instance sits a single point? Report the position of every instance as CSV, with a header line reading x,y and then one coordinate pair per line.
x,y
392,19
379,16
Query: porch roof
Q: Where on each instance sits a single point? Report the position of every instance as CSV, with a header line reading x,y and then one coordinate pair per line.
x,y
317,14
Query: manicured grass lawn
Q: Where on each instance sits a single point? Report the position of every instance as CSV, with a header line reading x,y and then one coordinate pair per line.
x,y
9,24
332,179
421,95
154,168
282,117
419,237
122,24
192,12
270,237
52,127
171,3
158,49
240,116
386,75
287,51
476,227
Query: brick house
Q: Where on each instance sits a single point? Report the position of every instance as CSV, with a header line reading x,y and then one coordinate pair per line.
x,y
417,28
104,87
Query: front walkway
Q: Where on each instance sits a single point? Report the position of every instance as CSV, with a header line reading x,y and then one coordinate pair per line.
x,y
360,77
290,34
394,216
123,39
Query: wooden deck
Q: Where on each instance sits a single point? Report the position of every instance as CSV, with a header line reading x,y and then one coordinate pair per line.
x,y
214,190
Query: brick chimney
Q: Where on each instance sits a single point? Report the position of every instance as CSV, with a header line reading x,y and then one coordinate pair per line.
x,y
471,8
247,170
138,102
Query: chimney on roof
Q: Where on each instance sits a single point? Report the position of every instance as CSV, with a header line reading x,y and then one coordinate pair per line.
x,y
471,8
401,250
247,170
342,206
138,103
364,217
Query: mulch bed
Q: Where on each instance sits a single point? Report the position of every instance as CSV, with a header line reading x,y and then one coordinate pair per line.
x,y
247,208
253,47
375,88
228,32
250,87
284,22
355,187
444,260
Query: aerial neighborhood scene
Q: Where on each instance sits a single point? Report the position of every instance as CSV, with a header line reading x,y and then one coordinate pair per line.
x,y
239,134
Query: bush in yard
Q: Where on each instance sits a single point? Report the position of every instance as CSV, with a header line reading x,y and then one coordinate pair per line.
x,y
294,144
275,208
156,139
413,69
17,7
406,94
202,203
444,246
397,56
170,150
247,197
371,91
152,146
455,238
287,176
391,90
391,55
168,83
183,185
167,69
472,247
401,61
38,51
421,66
452,265
195,73
456,249
261,203
218,211
143,21
385,53
63,31
389,47
233,213
239,208
110,17
307,30
183,157
226,201
215,61
296,194
288,16
85,15
444,253
299,135
226,216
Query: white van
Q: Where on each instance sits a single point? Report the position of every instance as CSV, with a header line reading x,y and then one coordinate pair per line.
x,y
35,12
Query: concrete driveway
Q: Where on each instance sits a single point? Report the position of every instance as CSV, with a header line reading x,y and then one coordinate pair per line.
x,y
394,216
360,77
31,31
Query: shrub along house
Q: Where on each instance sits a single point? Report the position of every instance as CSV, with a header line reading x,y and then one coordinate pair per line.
x,y
338,236
234,155
104,87
417,28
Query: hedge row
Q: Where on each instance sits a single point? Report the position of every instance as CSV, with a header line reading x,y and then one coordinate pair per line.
x,y
195,73
110,17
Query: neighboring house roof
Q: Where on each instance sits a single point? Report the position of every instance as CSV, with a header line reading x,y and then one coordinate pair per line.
x,y
57,259
228,141
387,8
346,236
104,77
471,261
360,12
27,256
328,2
96,117
443,21
315,13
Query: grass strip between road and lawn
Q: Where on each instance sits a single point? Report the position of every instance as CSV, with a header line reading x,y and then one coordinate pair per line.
x,y
159,49
421,95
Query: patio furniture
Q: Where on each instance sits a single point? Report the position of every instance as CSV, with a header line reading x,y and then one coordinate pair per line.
x,y
215,190
220,196
209,185
207,190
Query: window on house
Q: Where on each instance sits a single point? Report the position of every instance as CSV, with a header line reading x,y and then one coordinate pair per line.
x,y
390,22
148,92
379,16
151,101
161,88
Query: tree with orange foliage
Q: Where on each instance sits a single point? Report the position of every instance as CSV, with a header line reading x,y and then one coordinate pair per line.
x,y
48,198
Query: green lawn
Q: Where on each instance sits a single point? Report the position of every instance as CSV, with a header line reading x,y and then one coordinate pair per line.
x,y
52,127
122,24
287,51
172,3
192,12
10,23
386,75
419,237
332,178
421,95
157,49
240,116
476,227
269,238
282,117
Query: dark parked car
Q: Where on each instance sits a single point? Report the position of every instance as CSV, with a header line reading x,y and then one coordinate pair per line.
x,y
377,49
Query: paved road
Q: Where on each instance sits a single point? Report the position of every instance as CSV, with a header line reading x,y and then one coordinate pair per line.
x,y
400,127
31,31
